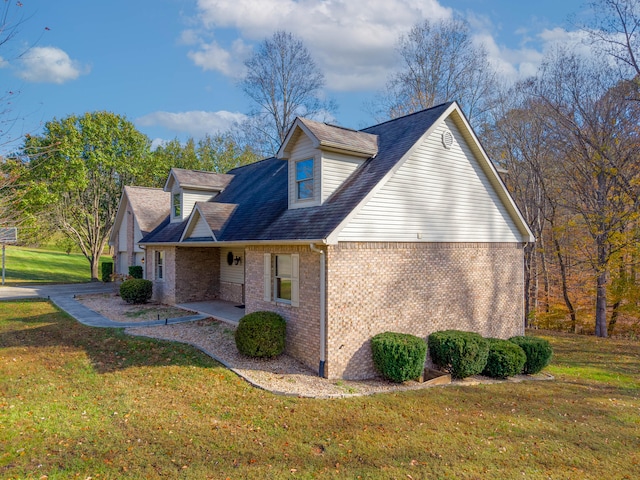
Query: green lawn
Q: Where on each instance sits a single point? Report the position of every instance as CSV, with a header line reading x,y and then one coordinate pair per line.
x,y
28,265
80,402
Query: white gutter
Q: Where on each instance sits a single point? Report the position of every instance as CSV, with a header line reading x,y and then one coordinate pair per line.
x,y
323,313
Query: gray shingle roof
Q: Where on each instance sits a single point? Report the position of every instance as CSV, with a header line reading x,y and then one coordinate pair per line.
x,y
216,214
342,138
200,179
260,190
149,205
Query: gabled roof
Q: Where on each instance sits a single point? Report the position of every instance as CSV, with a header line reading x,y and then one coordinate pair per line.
x,y
259,193
331,137
215,215
149,205
197,180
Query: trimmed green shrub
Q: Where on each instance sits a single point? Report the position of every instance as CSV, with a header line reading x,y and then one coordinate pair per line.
x,y
398,356
107,270
261,334
135,271
136,290
537,350
462,354
505,359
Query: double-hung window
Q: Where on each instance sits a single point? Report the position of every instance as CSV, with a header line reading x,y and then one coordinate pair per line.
x,y
304,179
159,265
281,278
177,205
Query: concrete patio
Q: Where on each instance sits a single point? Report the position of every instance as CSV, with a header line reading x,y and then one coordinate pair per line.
x,y
224,311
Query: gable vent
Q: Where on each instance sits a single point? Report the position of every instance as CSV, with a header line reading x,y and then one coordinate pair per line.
x,y
447,139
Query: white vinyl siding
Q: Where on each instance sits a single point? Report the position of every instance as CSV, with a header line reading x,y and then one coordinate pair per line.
x,y
437,195
336,168
303,150
137,236
190,197
122,234
232,273
200,229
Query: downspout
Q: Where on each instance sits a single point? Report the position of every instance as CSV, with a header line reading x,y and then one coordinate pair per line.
x,y
323,313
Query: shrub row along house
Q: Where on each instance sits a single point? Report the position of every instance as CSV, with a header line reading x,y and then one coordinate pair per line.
x,y
405,226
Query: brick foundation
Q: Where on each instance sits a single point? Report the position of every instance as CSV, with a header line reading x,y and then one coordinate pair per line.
x,y
232,292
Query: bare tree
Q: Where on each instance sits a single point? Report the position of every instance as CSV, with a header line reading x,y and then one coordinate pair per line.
x,y
440,63
615,31
588,114
284,82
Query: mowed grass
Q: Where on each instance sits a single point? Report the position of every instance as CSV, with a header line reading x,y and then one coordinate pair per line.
x,y
80,402
29,265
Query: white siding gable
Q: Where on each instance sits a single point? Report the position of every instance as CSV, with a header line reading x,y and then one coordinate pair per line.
x,y
188,200
436,195
137,236
198,229
122,235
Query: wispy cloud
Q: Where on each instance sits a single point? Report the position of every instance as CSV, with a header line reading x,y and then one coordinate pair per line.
x,y
49,65
195,123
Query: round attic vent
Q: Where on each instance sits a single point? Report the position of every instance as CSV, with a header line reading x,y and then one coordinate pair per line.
x,y
447,139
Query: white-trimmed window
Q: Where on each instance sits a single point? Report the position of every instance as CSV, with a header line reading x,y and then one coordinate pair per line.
x,y
159,264
281,281
176,205
304,179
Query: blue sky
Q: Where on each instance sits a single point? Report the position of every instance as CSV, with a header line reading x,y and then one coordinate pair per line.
x,y
171,66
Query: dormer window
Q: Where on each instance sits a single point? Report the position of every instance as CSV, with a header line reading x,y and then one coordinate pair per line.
x,y
304,179
177,205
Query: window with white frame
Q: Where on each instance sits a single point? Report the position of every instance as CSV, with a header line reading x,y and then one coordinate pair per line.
x,y
177,204
159,265
304,179
281,278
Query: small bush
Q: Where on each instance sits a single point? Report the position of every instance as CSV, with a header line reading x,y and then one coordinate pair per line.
x,y
261,334
135,271
505,359
537,350
460,353
398,356
107,270
136,290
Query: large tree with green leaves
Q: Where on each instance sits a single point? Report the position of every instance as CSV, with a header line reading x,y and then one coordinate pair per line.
x,y
74,174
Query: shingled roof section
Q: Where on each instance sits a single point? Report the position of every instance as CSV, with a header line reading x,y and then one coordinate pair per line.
x,y
149,205
260,190
216,215
200,179
342,138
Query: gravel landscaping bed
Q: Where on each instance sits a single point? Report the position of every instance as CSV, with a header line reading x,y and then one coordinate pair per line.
x,y
283,375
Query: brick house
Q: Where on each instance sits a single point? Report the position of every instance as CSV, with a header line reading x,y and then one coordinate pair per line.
x,y
404,226
140,210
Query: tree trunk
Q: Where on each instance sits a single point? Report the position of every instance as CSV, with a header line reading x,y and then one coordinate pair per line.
x,y
601,292
565,290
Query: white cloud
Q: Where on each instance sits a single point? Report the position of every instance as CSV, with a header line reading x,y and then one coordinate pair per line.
x,y
212,56
353,41
195,123
3,63
49,65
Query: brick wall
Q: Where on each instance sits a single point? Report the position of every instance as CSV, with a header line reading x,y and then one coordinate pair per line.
x,y
232,292
303,322
163,290
417,288
197,274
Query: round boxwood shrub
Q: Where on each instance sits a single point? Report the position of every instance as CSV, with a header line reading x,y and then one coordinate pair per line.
x,y
505,359
136,290
261,334
398,356
537,350
462,354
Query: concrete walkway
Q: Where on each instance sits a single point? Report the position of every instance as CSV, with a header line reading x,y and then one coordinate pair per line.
x,y
63,296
